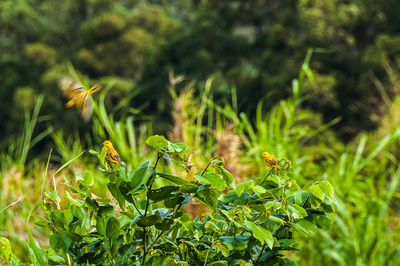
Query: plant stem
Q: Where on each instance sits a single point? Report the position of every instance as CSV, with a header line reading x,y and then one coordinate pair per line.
x,y
145,213
262,250
265,178
144,246
205,262
147,202
134,205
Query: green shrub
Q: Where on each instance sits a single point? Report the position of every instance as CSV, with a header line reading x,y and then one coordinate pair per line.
x,y
250,222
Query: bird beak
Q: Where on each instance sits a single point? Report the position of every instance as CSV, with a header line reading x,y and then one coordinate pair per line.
x,y
104,143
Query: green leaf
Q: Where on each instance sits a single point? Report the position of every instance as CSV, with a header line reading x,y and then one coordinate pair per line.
x,y
53,196
317,192
240,189
223,249
297,212
103,155
161,193
136,177
177,148
327,188
5,248
96,153
228,177
88,178
219,263
65,242
305,227
207,196
260,233
174,179
55,241
112,228
116,194
258,190
212,179
275,218
150,220
165,225
189,188
157,142
322,221
174,201
101,225
300,197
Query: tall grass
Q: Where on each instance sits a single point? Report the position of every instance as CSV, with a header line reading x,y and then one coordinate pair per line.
x,y
364,173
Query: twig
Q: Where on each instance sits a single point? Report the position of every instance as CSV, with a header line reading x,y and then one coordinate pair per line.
x,y
15,202
145,213
259,256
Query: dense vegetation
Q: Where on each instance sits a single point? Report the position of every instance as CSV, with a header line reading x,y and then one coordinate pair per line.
x,y
233,96
255,46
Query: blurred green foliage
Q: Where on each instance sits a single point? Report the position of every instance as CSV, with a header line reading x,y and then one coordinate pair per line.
x,y
256,46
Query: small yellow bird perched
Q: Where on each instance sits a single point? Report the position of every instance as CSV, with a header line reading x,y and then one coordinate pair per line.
x,y
112,155
270,160
79,97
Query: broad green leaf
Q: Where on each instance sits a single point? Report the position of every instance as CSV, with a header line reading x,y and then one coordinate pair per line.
x,y
296,211
174,201
275,218
55,240
165,225
229,241
174,179
223,249
260,233
157,142
240,189
65,242
150,220
322,221
88,178
228,177
189,188
258,190
327,188
161,193
305,227
177,148
136,177
300,197
53,196
275,179
101,223
212,179
116,194
112,228
207,196
317,192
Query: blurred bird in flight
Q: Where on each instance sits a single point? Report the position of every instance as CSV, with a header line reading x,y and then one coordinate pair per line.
x,y
78,96
112,155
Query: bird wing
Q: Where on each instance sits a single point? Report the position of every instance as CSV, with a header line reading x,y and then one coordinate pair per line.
x,y
86,107
70,87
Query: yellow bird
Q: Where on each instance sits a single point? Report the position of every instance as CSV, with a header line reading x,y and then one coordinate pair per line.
x,y
112,155
79,97
270,160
